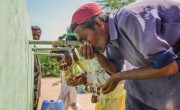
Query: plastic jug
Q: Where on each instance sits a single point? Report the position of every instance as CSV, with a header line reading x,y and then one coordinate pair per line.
x,y
52,105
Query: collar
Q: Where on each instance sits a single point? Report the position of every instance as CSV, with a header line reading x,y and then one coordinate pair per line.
x,y
113,30
112,27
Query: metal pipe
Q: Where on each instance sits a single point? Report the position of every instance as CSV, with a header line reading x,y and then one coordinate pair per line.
x,y
40,42
54,49
57,43
37,49
50,54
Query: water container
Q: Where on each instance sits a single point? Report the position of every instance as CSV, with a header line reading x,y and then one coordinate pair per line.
x,y
52,105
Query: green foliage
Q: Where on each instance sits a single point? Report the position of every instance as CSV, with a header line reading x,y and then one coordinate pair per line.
x,y
113,5
49,66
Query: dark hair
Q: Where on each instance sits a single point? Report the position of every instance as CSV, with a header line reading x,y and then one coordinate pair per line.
x,y
36,28
104,17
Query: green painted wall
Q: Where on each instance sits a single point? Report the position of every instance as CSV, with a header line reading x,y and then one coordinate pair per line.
x,y
16,75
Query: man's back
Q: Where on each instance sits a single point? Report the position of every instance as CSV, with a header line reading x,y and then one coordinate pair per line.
x,y
146,31
166,15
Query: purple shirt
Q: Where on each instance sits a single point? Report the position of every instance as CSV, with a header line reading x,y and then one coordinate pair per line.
x,y
147,33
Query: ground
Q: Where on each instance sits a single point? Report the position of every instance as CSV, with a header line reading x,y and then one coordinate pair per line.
x,y
51,92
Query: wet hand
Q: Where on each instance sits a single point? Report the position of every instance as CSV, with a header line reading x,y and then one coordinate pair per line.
x,y
70,80
110,85
81,79
63,66
86,51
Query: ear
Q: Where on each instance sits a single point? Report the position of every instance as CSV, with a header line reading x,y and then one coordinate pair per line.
x,y
98,24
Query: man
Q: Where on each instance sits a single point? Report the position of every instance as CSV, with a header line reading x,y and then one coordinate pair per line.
x,y
146,34
68,93
36,32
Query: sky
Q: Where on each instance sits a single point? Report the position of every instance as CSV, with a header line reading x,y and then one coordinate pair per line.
x,y
52,16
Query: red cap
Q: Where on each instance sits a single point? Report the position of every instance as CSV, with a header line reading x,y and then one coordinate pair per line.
x,y
86,12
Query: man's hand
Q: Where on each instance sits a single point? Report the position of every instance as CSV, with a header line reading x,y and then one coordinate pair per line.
x,y
70,80
73,80
110,85
86,51
81,79
63,66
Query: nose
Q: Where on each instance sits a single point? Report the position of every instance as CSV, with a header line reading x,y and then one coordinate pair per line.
x,y
36,36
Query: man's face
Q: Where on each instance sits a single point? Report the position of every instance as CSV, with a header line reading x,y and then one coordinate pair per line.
x,y
94,37
36,34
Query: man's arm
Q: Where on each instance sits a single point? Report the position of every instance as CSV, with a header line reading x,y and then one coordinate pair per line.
x,y
140,74
106,64
149,72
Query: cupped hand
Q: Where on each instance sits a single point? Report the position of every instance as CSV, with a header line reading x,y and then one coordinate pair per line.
x,y
86,51
70,80
81,79
110,85
63,66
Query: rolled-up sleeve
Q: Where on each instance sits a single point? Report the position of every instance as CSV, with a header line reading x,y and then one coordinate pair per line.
x,y
163,58
143,30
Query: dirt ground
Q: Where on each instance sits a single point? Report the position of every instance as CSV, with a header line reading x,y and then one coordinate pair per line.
x,y
51,92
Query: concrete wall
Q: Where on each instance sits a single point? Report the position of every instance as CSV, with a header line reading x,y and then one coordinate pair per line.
x,y
16,72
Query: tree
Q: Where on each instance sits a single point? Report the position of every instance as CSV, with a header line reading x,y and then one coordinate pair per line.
x,y
49,66
112,5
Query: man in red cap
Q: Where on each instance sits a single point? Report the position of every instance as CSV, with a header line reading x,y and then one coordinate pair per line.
x,y
146,34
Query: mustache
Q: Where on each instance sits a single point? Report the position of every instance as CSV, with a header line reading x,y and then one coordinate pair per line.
x,y
96,49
